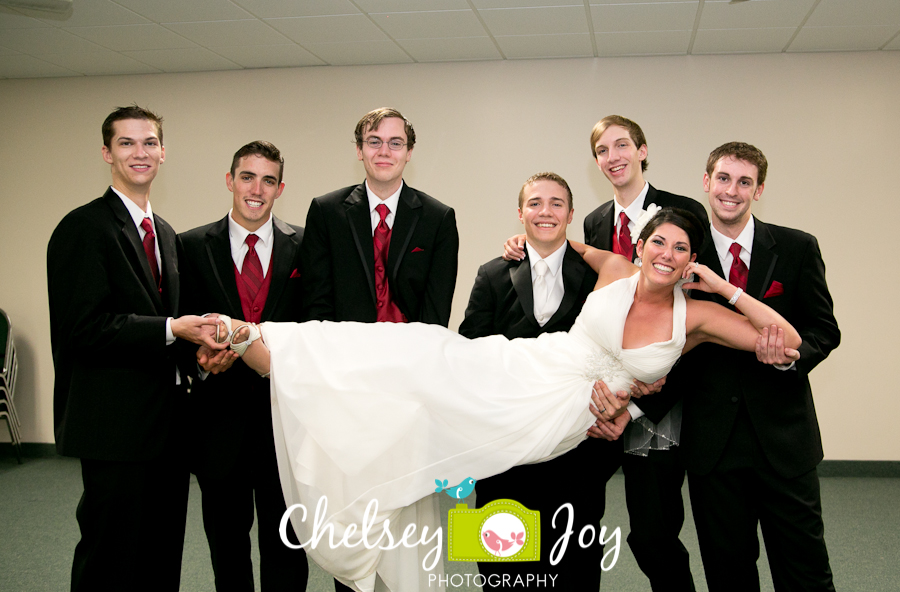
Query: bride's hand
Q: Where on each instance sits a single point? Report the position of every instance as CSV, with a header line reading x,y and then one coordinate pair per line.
x,y
707,280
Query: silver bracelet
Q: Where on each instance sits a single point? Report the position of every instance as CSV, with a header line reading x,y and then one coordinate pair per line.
x,y
736,295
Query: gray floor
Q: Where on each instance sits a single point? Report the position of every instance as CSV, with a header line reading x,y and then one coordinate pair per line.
x,y
37,514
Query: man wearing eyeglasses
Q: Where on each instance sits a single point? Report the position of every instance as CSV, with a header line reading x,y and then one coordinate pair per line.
x,y
381,250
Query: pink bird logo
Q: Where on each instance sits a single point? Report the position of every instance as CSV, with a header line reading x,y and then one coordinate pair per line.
x,y
497,545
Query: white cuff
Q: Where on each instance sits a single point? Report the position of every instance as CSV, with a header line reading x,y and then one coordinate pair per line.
x,y
170,337
784,367
634,410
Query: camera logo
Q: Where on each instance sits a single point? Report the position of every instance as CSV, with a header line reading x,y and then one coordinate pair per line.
x,y
503,530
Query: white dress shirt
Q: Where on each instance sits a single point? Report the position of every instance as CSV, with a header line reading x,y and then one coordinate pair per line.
x,y
237,236
633,211
391,203
554,281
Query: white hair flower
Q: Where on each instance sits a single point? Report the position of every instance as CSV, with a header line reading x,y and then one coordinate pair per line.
x,y
642,220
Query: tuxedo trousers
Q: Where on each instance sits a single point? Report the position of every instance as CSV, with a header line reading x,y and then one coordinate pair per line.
x,y
228,501
729,504
132,519
653,486
578,477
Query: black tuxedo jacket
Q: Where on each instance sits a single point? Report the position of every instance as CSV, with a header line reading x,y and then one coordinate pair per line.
x,y
778,404
338,258
600,225
228,409
114,393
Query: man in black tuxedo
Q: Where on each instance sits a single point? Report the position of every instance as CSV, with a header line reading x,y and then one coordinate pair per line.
x,y
245,266
750,438
653,477
118,403
542,293
381,250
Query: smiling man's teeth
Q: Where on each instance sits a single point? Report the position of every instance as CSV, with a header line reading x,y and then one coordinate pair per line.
x,y
616,169
546,225
254,204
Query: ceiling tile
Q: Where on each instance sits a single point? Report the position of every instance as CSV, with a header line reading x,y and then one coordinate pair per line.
x,y
269,56
479,4
642,43
133,37
12,19
558,20
546,46
676,16
180,11
192,59
288,8
229,33
709,41
46,40
371,6
451,49
352,28
97,13
359,53
23,66
720,14
841,38
847,13
99,63
428,25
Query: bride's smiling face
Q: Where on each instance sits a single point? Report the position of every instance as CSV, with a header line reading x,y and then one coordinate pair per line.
x,y
665,254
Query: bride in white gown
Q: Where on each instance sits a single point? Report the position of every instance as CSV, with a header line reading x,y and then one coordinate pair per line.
x,y
380,411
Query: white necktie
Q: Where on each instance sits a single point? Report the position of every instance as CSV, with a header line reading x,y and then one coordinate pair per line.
x,y
542,289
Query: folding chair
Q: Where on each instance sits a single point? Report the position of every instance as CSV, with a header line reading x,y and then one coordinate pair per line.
x,y
9,366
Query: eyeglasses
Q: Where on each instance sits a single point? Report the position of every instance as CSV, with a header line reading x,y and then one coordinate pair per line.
x,y
375,143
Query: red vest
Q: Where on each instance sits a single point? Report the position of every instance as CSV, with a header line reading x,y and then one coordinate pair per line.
x,y
253,310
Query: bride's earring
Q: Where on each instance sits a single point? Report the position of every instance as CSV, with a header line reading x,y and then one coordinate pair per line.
x,y
638,261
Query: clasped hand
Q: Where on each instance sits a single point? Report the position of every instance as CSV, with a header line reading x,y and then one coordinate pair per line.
x,y
219,359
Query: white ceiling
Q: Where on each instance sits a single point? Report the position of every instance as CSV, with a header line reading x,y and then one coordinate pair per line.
x,y
99,37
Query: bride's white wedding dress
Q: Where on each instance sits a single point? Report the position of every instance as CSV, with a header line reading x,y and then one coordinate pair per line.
x,y
379,411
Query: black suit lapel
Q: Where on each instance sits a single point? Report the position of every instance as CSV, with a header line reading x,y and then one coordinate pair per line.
x,y
284,251
409,209
520,275
360,219
607,225
573,277
762,260
218,251
136,253
165,237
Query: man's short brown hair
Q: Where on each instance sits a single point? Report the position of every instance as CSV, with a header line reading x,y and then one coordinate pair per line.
x,y
544,177
130,112
259,148
634,131
373,119
740,151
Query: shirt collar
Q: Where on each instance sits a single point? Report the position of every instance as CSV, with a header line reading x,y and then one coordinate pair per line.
x,y
723,243
238,234
553,260
637,206
391,202
136,213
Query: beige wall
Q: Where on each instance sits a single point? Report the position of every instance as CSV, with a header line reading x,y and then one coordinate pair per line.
x,y
828,123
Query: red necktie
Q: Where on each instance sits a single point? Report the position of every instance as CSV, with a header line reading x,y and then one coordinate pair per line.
x,y
623,246
251,270
387,309
150,250
739,272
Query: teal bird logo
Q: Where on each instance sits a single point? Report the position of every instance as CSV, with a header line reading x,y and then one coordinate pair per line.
x,y
464,489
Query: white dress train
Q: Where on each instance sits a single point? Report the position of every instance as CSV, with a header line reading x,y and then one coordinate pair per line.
x,y
379,411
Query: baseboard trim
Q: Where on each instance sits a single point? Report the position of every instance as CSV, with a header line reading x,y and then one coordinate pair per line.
x,y
827,468
28,450
859,468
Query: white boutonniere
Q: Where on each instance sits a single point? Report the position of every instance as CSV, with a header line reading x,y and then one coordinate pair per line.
x,y
646,216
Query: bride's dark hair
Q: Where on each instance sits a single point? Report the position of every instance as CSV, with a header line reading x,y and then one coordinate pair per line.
x,y
683,219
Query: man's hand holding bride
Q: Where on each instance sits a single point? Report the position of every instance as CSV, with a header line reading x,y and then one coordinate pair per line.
x,y
770,348
610,411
